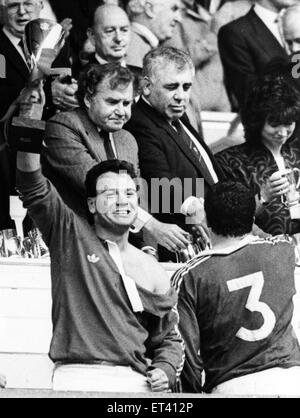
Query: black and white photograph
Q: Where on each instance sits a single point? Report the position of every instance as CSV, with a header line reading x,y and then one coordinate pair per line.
x,y
150,202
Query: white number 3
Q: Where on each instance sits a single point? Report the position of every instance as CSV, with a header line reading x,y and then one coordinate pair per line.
x,y
256,281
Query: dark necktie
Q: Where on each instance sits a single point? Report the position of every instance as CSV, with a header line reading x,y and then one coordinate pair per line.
x,y
107,145
192,147
21,45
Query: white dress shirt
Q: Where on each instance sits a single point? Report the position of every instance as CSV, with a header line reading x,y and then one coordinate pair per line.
x,y
269,18
102,61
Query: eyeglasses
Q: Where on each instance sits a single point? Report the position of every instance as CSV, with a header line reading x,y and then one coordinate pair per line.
x,y
14,8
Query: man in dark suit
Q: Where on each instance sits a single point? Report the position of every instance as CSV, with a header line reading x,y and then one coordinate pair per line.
x,y
247,44
169,148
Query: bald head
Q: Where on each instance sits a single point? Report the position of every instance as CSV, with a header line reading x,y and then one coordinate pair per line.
x,y
110,33
291,28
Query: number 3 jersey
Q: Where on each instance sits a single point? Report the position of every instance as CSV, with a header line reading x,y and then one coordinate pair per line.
x,y
236,308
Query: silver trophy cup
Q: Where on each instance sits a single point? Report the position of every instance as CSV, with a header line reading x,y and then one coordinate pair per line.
x,y
43,39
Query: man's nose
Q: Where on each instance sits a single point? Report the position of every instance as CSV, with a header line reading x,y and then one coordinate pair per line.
x,y
122,199
120,110
180,94
21,9
118,35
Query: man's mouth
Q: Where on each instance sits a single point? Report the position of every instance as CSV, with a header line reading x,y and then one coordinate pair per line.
x,y
178,108
22,22
117,120
122,212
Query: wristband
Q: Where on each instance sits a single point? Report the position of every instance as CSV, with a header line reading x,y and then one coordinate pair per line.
x,y
29,134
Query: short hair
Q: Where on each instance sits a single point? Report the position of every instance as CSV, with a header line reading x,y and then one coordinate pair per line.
x,y
165,55
94,74
230,209
109,166
272,98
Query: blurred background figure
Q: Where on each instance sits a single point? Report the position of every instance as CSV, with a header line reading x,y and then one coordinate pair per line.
x,y
230,10
194,34
291,28
247,44
152,22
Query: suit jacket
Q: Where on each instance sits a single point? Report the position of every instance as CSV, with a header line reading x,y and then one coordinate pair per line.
x,y
17,74
162,154
246,45
139,46
73,147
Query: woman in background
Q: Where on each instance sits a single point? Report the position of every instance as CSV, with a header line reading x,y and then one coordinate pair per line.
x,y
270,117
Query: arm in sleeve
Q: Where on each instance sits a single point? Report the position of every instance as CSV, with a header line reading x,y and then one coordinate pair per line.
x,y
237,62
44,205
166,346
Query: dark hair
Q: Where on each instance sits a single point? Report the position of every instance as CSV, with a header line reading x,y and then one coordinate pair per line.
x,y
230,209
162,55
94,74
272,98
113,166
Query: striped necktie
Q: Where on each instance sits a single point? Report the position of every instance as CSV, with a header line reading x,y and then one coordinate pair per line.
x,y
192,147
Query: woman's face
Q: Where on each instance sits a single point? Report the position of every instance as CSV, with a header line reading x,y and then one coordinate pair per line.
x,y
276,136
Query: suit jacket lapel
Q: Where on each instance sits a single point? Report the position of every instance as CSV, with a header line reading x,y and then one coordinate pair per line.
x,y
160,121
13,56
264,36
93,143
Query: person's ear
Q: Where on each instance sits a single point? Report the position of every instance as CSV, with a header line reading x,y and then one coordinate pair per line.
x,y
146,86
135,7
149,9
87,102
92,205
